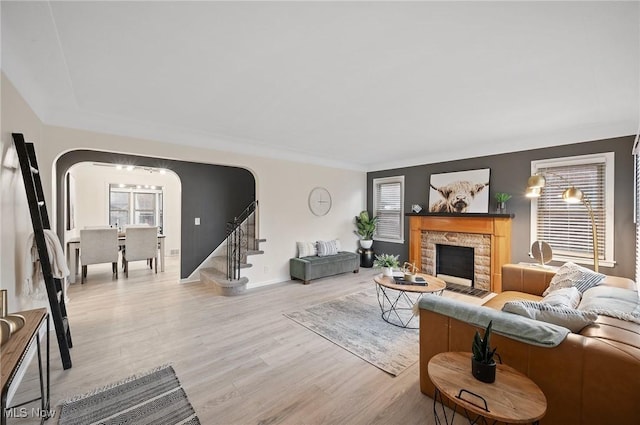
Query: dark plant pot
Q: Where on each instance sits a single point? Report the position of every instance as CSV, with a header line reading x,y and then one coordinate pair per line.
x,y
483,372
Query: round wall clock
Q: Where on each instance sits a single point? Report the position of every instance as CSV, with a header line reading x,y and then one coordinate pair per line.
x,y
319,201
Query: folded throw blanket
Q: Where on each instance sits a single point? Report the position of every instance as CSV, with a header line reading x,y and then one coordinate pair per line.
x,y
34,283
623,304
511,325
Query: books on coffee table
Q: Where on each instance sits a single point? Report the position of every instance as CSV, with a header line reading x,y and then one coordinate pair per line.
x,y
401,281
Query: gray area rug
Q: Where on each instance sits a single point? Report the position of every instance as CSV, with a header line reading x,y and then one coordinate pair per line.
x,y
354,323
155,397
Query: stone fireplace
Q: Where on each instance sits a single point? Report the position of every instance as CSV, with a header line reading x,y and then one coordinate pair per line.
x,y
480,260
489,235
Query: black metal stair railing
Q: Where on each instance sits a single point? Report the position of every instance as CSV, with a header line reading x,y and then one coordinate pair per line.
x,y
238,242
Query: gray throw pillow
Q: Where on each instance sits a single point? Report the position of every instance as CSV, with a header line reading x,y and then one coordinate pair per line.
x,y
328,247
569,318
563,297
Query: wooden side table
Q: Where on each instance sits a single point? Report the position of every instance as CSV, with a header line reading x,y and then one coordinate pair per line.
x,y
512,398
14,353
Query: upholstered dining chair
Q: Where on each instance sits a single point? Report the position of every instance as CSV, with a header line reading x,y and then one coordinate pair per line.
x,y
98,246
141,243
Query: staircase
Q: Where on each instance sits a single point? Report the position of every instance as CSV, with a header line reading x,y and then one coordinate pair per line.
x,y
223,269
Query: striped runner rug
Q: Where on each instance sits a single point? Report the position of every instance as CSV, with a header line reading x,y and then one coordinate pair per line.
x,y
155,397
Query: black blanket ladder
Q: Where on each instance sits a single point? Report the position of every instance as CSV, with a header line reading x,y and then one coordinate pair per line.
x,y
40,220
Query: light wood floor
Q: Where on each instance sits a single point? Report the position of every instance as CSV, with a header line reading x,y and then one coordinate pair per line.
x,y
239,359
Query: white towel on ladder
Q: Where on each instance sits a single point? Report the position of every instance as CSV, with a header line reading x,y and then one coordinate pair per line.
x,y
34,283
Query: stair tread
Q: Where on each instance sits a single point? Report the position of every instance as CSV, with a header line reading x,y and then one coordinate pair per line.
x,y
222,260
215,275
213,272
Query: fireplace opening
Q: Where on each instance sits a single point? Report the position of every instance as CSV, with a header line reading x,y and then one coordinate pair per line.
x,y
455,264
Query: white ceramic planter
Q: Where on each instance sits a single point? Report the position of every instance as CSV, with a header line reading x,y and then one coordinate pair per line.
x,y
366,243
387,271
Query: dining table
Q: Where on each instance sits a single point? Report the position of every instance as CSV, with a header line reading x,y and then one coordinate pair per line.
x,y
73,253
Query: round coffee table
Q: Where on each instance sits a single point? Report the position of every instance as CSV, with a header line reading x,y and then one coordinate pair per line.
x,y
397,299
513,397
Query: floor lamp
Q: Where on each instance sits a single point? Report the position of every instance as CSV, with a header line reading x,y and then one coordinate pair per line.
x,y
571,195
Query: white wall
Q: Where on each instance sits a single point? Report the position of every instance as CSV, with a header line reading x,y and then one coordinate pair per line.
x,y
17,116
92,197
282,189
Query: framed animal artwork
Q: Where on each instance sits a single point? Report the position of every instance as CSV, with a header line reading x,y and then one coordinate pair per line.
x,y
460,192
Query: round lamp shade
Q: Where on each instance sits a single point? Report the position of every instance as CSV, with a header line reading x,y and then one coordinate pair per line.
x,y
572,195
533,192
536,181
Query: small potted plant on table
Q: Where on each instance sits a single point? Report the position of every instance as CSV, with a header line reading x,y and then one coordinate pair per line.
x,y
483,367
387,262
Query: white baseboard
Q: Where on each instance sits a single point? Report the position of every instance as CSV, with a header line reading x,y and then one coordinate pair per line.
x,y
189,279
266,283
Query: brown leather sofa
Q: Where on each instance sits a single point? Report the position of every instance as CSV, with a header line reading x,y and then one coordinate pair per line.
x,y
589,378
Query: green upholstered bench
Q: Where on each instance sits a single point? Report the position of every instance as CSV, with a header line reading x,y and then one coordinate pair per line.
x,y
309,268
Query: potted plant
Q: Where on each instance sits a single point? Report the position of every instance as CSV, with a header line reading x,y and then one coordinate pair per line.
x,y
365,228
483,367
387,262
502,199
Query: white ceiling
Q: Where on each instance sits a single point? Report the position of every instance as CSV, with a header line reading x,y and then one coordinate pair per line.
x,y
364,85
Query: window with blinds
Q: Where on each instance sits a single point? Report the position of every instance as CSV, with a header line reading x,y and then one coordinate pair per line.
x,y
567,227
388,206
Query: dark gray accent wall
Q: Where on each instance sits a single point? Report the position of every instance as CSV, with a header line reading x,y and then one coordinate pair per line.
x,y
215,193
509,173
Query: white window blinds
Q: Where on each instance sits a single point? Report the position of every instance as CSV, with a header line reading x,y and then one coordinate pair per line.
x,y
637,215
388,207
567,227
